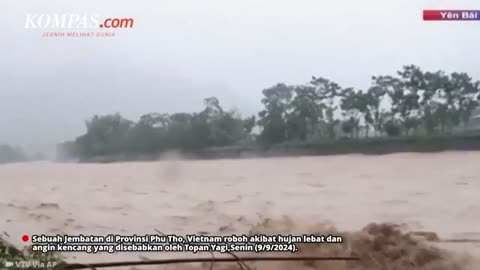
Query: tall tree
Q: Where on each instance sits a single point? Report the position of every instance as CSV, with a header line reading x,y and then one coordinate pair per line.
x,y
411,81
466,97
306,110
352,106
376,114
273,118
329,95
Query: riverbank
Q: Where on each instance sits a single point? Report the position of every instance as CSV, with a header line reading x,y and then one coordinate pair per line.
x,y
369,146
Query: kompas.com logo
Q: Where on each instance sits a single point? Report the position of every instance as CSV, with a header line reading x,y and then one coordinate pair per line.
x,y
75,23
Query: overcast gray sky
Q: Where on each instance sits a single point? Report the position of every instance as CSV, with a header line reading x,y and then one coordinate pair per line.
x,y
181,51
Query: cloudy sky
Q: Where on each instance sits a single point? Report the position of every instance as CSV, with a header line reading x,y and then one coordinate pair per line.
x,y
181,51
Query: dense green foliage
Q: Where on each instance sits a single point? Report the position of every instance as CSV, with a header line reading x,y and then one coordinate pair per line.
x,y
412,102
31,260
154,132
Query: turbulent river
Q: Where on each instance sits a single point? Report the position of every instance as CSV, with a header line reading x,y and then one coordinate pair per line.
x,y
437,193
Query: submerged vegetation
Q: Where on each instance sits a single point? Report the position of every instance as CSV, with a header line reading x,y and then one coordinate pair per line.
x,y
413,102
14,259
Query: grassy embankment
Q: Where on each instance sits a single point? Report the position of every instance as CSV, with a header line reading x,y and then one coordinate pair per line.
x,y
368,146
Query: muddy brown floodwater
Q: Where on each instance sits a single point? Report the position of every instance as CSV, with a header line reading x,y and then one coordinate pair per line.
x,y
437,193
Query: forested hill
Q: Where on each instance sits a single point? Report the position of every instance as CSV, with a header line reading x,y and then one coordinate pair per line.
x,y
410,104
10,153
